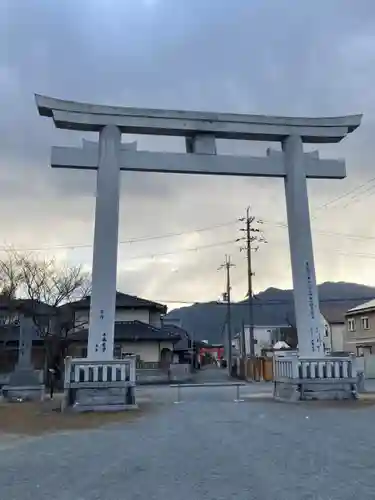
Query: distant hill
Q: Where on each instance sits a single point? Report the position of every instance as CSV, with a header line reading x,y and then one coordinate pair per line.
x,y
273,307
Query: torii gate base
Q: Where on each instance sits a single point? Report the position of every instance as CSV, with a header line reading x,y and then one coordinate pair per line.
x,y
300,379
99,385
309,372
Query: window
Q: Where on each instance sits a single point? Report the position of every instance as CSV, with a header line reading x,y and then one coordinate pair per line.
x,y
117,351
10,319
351,325
365,323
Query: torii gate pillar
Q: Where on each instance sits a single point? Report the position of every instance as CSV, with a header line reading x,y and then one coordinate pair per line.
x,y
104,265
306,303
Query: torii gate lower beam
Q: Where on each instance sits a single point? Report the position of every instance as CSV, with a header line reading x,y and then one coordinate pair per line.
x,y
199,164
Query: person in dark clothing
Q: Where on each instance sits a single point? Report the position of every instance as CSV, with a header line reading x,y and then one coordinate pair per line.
x,y
51,376
54,376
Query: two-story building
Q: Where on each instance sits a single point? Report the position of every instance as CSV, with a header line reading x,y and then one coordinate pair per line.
x,y
138,329
264,337
360,325
335,337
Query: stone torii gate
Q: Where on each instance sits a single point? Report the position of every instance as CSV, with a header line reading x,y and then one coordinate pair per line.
x,y
200,130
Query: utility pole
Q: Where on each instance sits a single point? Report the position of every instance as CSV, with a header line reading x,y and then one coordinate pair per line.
x,y
250,238
227,297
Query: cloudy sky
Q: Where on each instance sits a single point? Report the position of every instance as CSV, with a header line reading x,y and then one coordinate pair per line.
x,y
282,57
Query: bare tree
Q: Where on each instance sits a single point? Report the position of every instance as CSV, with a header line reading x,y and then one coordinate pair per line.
x,y
10,281
45,281
46,285
10,274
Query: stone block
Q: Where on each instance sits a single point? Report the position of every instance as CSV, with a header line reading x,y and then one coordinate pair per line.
x,y
315,391
285,391
100,399
23,393
147,376
25,377
180,373
361,381
328,391
24,385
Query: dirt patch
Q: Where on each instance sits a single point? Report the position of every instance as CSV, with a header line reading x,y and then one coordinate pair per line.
x,y
349,404
364,401
36,418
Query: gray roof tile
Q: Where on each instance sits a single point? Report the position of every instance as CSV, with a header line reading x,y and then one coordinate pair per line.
x,y
132,330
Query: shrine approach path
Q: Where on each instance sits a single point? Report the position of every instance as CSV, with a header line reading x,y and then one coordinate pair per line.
x,y
208,447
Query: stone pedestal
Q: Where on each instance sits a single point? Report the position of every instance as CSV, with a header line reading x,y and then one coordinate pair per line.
x,y
307,379
318,391
329,391
99,385
102,399
180,373
24,383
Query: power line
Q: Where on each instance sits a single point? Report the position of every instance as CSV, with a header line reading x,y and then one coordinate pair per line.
x,y
347,235
370,189
344,195
172,235
359,196
211,245
203,229
228,242
183,250
284,225
122,242
209,228
351,254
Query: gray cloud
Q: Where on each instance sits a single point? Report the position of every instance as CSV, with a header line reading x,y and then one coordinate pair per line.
x,y
275,56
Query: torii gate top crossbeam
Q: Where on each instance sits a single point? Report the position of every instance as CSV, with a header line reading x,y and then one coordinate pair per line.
x,y
89,117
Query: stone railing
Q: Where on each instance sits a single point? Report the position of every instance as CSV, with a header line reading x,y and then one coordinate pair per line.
x,y
81,372
297,368
284,368
316,378
102,385
148,365
175,372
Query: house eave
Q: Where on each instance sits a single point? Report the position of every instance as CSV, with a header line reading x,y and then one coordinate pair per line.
x,y
362,341
129,339
359,312
78,306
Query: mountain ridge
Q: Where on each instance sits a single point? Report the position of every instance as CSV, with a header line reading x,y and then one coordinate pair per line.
x,y
272,307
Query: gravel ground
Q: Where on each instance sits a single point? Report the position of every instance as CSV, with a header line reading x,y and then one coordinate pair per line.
x,y
36,418
207,447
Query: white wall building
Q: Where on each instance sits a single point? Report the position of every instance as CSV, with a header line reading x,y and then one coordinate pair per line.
x,y
138,329
265,337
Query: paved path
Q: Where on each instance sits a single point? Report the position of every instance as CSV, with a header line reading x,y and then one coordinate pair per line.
x,y
211,374
208,448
